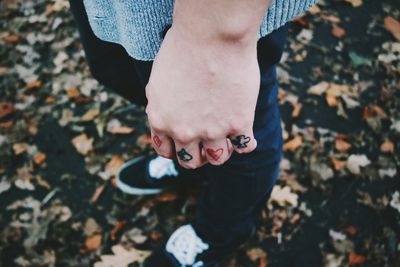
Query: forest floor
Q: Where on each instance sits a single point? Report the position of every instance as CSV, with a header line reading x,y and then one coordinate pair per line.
x,y
63,136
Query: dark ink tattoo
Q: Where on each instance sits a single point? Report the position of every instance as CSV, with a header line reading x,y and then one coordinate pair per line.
x,y
240,141
184,155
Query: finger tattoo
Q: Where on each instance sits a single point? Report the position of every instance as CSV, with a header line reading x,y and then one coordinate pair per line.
x,y
215,153
184,155
241,141
157,141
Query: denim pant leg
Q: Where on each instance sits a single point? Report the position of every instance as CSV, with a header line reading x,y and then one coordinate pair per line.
x,y
237,191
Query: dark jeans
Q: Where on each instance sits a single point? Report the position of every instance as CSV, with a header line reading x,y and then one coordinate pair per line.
x,y
236,191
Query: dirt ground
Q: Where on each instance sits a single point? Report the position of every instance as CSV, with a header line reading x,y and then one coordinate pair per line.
x,y
63,136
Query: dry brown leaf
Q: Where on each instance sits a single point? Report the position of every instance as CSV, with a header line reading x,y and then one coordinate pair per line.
x,y
6,109
39,158
36,84
72,92
117,227
99,190
93,242
144,140
297,110
356,259
11,38
393,25
42,182
114,164
387,147
121,130
293,144
83,144
257,254
281,94
338,32
20,148
166,197
342,145
355,3
331,18
332,100
338,165
90,115
351,230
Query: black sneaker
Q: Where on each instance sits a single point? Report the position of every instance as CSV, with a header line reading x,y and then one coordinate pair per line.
x,y
185,248
152,175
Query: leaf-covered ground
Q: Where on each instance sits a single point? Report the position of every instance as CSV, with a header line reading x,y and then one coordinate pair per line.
x,y
63,136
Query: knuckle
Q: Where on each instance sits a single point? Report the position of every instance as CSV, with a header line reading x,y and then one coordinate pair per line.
x,y
183,137
237,128
211,134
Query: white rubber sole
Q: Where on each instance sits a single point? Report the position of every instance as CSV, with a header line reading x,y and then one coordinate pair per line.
x,y
134,190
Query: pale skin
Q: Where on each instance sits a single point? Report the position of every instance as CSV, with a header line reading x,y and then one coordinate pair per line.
x,y
204,83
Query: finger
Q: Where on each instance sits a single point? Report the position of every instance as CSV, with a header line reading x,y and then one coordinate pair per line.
x,y
243,142
162,144
217,151
189,155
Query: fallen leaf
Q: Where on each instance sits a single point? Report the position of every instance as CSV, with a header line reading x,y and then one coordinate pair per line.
x,y
36,84
20,148
258,254
4,186
144,140
355,162
83,144
356,259
338,165
72,92
342,146
93,242
114,126
117,227
297,110
351,230
393,26
99,190
293,144
90,115
122,257
39,158
387,147
91,227
166,197
318,89
6,109
283,196
11,38
355,3
338,32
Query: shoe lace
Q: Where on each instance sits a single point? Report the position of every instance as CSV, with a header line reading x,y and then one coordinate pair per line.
x,y
185,245
160,167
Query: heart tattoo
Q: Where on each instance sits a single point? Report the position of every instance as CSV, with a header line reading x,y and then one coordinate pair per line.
x,y
157,141
215,154
184,155
240,141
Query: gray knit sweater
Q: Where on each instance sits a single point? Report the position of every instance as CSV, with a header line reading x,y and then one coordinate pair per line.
x,y
138,24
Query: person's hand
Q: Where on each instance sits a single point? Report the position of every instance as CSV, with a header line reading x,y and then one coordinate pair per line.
x,y
201,99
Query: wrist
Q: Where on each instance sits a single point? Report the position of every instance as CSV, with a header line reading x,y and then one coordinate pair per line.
x,y
224,21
